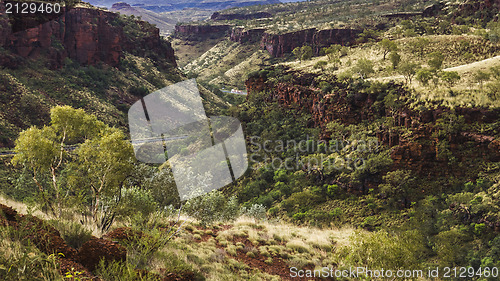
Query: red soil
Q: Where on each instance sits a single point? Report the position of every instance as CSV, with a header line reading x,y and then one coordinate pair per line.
x,y
96,249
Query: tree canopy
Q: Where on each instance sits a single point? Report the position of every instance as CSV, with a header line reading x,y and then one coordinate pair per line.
x,y
75,153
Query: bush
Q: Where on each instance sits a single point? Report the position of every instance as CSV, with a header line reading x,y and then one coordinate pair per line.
x,y
395,58
450,247
138,91
213,207
265,200
325,86
494,34
384,250
332,190
424,76
73,233
436,60
256,211
450,77
364,67
136,200
321,64
303,53
121,271
301,201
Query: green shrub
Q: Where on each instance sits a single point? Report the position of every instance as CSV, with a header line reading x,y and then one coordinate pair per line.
x,y
73,233
274,211
138,91
395,58
136,200
332,190
321,64
382,249
494,34
256,211
325,86
121,271
213,207
479,228
450,247
301,201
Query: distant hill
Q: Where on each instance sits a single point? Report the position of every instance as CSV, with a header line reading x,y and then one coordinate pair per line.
x,y
165,21
167,14
173,5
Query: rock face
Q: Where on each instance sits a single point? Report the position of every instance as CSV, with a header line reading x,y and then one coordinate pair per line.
x,y
121,5
434,9
259,15
88,36
201,32
276,44
241,35
280,44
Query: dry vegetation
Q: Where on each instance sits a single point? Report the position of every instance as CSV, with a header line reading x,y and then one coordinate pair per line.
x,y
227,63
465,54
324,13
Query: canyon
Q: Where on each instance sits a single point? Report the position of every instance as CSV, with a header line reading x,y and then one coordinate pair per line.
x,y
419,151
278,45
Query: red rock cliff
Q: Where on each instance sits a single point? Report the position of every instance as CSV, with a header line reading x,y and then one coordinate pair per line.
x,y
280,44
241,35
86,35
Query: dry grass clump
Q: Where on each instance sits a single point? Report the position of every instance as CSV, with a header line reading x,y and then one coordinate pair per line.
x,y
298,245
263,241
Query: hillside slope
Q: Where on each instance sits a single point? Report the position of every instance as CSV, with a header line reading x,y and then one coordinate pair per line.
x,y
103,68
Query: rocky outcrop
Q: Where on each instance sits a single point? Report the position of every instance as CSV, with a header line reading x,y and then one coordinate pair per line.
x,y
259,15
195,32
279,44
434,9
88,36
276,44
121,6
242,35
